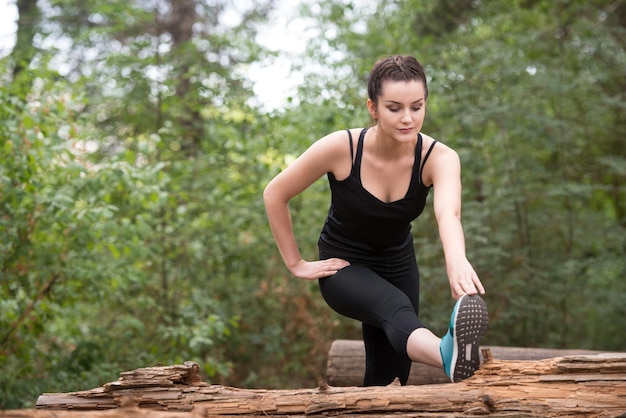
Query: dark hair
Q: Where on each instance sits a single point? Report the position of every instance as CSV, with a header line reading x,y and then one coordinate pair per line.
x,y
394,68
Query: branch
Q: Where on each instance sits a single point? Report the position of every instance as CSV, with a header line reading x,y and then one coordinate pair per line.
x,y
30,308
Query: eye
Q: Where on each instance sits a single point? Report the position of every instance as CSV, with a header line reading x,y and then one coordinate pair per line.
x,y
417,109
394,109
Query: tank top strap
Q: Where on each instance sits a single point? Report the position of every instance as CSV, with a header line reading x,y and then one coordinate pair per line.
x,y
356,168
351,146
430,149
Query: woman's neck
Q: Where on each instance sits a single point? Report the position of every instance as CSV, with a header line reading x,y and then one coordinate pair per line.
x,y
388,148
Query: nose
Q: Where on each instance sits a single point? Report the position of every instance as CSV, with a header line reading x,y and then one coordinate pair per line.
x,y
406,116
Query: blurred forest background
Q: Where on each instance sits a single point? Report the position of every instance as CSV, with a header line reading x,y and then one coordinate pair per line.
x,y
133,155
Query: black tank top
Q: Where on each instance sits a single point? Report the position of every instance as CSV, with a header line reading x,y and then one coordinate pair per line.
x,y
359,224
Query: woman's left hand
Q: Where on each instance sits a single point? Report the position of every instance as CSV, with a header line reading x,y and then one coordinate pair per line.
x,y
463,279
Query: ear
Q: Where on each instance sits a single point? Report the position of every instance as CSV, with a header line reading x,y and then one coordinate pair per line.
x,y
371,107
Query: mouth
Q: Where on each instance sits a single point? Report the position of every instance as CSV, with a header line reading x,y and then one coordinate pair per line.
x,y
405,130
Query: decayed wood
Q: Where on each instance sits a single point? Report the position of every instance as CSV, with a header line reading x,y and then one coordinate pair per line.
x,y
346,362
582,386
124,412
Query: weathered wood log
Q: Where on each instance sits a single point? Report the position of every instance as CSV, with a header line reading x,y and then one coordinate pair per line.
x,y
122,412
346,362
582,386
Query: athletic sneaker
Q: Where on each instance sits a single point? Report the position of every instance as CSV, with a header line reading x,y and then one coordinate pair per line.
x,y
459,347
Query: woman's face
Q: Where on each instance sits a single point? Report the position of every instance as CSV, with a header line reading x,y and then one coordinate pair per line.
x,y
400,109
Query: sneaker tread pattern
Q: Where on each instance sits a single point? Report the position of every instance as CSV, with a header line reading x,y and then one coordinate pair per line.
x,y
471,324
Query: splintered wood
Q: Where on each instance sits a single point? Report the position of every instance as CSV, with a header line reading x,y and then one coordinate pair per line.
x,y
580,386
346,362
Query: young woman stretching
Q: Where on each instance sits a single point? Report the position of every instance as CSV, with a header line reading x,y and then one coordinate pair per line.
x,y
379,180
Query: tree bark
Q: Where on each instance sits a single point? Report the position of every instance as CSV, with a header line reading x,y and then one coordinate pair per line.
x,y
27,26
182,19
589,386
24,51
346,362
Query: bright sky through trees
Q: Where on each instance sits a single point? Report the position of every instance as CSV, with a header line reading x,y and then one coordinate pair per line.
x,y
273,80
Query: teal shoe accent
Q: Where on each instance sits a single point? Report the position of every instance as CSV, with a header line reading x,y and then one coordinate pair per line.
x,y
447,347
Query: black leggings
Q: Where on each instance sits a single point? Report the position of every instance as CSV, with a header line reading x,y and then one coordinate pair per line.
x,y
384,296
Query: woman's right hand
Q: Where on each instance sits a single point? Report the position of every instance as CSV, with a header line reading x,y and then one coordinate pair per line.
x,y
313,270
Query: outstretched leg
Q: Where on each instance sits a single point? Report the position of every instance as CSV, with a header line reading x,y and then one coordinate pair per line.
x,y
423,347
358,292
457,351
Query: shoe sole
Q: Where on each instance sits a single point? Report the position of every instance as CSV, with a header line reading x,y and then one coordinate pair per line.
x,y
470,324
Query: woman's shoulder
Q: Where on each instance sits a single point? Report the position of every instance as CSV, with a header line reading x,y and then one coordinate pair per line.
x,y
442,160
343,135
334,151
328,145
438,147
339,140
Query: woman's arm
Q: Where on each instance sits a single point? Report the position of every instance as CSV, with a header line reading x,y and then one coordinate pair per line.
x,y
326,155
445,172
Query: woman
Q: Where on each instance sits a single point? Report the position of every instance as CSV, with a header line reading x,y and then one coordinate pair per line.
x,y
379,179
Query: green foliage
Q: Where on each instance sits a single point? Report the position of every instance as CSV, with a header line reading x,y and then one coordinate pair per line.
x,y
82,244
132,227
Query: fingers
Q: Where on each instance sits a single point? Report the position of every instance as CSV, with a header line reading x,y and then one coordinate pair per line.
x,y
317,269
477,285
338,263
480,287
331,266
467,286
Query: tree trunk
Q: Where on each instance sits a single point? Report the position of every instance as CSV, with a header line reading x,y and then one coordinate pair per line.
x,y
589,386
346,362
24,51
182,19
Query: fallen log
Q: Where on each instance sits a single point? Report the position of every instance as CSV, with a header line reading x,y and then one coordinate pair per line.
x,y
583,386
346,362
